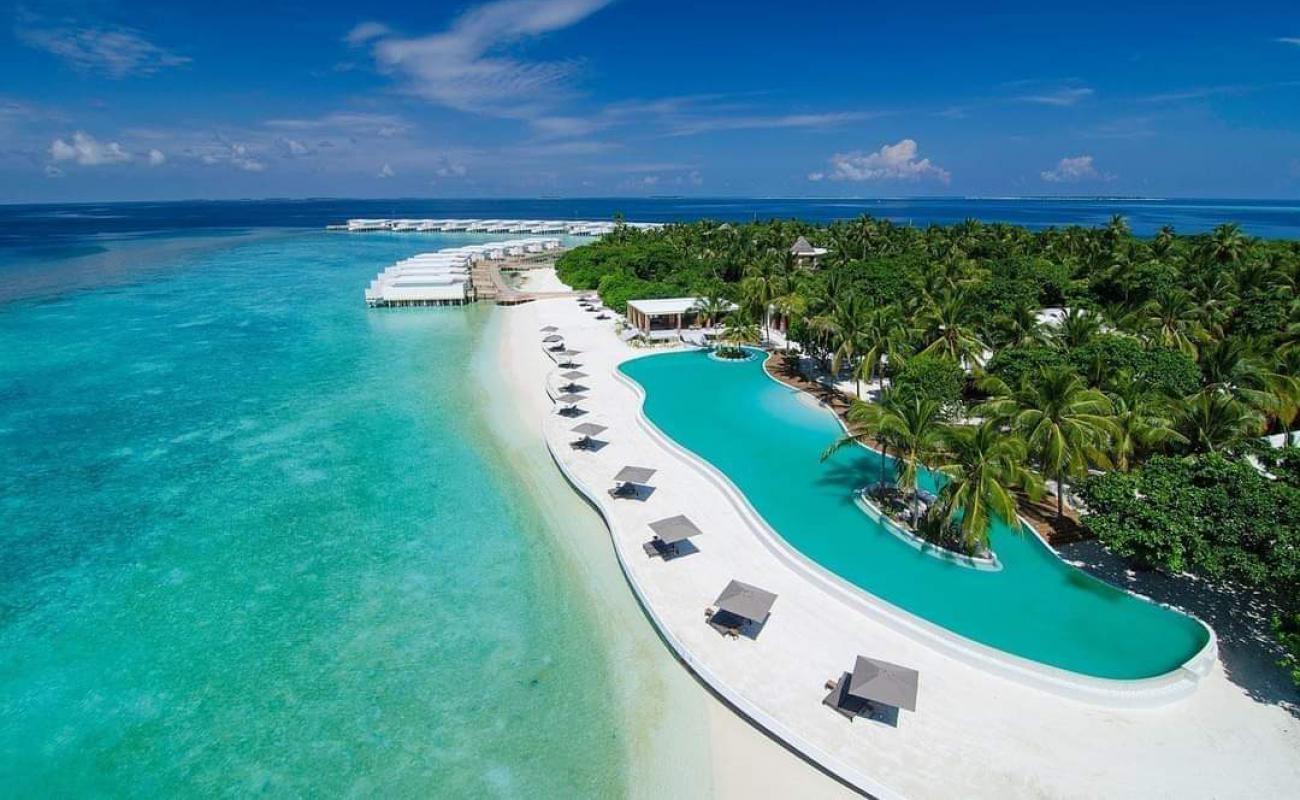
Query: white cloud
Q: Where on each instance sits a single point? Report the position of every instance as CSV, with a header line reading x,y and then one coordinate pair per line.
x,y
346,122
759,122
88,151
365,32
295,148
116,52
1066,96
446,168
1295,40
893,162
234,155
157,158
464,67
386,172
1075,169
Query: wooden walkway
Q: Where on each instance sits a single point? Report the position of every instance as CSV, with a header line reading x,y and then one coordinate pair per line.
x,y
490,285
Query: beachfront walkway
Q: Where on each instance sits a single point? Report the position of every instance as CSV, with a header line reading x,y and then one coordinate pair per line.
x,y
973,734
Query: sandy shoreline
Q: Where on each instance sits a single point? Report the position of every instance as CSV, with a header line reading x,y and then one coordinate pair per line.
x,y
670,718
981,735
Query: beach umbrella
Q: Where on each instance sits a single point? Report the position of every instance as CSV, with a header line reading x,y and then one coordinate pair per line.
x,y
883,682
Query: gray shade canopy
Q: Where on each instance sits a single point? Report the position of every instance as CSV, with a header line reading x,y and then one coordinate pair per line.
x,y
634,475
554,337
746,601
883,682
674,529
550,329
570,353
588,429
573,375
570,398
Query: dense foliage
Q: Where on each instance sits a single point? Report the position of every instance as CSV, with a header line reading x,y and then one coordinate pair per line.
x,y
1010,359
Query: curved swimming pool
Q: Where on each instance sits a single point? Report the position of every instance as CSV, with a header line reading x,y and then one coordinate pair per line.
x,y
768,438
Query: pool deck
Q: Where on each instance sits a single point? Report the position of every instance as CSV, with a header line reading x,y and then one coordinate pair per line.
x,y
975,733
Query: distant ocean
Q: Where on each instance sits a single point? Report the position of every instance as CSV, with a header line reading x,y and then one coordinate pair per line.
x,y
255,537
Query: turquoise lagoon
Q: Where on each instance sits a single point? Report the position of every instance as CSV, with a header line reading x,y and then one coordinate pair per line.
x,y
768,439
254,539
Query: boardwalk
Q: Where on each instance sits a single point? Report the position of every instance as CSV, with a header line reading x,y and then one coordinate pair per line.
x,y
491,286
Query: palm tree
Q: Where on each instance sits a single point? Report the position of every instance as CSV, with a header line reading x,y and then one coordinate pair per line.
x,y
848,325
711,309
866,425
738,330
982,466
948,332
1076,328
1172,315
912,427
763,283
1141,423
1229,367
1211,421
1065,423
1019,327
1227,244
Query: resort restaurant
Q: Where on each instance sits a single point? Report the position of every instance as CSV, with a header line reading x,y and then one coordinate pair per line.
x,y
664,318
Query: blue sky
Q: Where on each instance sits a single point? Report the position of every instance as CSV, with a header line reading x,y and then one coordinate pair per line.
x,y
102,100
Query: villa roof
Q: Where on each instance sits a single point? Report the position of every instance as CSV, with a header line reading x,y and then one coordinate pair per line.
x,y
883,682
634,475
746,601
588,429
674,529
570,398
801,247
664,305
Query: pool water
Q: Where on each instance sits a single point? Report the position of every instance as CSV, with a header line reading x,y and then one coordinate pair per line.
x,y
768,439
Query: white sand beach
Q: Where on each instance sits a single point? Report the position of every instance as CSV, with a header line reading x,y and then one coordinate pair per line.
x,y
976,735
672,718
540,279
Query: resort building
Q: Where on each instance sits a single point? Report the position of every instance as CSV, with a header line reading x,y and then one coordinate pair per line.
x,y
805,253
664,318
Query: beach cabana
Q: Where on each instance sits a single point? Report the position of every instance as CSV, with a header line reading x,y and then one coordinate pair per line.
x,y
629,480
554,337
573,375
873,682
669,534
549,329
586,430
739,606
664,318
804,252
565,358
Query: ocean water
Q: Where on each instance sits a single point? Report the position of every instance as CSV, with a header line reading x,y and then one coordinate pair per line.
x,y
254,538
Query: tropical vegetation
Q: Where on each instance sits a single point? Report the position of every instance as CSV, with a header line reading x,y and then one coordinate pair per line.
x,y
1139,373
